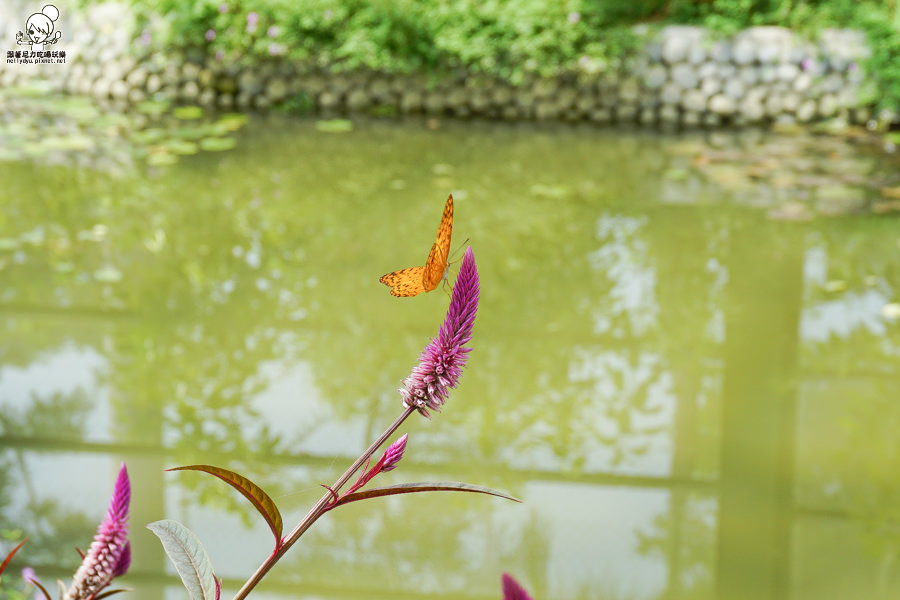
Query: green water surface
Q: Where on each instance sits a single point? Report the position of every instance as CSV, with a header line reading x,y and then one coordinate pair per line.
x,y
694,397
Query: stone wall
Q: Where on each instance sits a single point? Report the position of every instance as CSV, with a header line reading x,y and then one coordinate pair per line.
x,y
683,76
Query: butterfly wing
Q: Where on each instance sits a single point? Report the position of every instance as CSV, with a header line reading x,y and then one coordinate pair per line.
x,y
405,282
436,265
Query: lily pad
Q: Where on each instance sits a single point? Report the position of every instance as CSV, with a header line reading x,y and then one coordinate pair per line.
x,y
75,142
835,286
148,136
9,154
791,211
217,144
676,174
194,133
549,191
187,112
334,125
151,107
35,237
158,159
108,274
232,122
891,192
181,147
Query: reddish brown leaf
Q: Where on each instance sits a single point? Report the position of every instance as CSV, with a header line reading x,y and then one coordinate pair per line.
x,y
109,593
252,492
42,588
9,556
413,488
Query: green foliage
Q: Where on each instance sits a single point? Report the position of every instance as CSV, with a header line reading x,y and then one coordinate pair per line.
x,y
884,38
504,38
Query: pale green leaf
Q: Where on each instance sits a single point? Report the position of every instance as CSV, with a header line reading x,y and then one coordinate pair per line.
x,y
189,557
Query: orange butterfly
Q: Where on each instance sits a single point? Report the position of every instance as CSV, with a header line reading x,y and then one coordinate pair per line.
x,y
415,280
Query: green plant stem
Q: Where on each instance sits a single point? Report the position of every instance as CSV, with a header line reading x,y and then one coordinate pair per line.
x,y
317,510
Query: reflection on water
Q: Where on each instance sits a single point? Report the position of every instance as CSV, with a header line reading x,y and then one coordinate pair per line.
x,y
693,399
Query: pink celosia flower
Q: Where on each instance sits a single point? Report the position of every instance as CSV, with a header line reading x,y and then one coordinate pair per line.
x,y
210,35
387,462
273,31
442,360
512,590
110,553
393,454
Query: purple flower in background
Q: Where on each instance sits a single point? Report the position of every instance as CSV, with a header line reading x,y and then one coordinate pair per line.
x,y
512,590
852,66
110,553
806,64
442,360
210,35
252,20
223,8
145,37
276,49
28,575
574,17
273,31
220,54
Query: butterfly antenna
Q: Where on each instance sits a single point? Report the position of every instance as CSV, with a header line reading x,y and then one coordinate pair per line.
x,y
457,251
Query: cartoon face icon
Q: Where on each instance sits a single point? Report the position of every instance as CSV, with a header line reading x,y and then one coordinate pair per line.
x,y
39,27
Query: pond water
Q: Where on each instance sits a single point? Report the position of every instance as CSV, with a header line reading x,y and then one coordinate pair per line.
x,y
686,371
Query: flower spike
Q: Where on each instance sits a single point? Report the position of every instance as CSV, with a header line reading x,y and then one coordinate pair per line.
x,y
442,360
110,553
512,590
393,454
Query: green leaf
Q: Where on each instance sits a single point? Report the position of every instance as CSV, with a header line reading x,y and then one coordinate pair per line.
x,y
11,554
252,492
189,557
412,488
